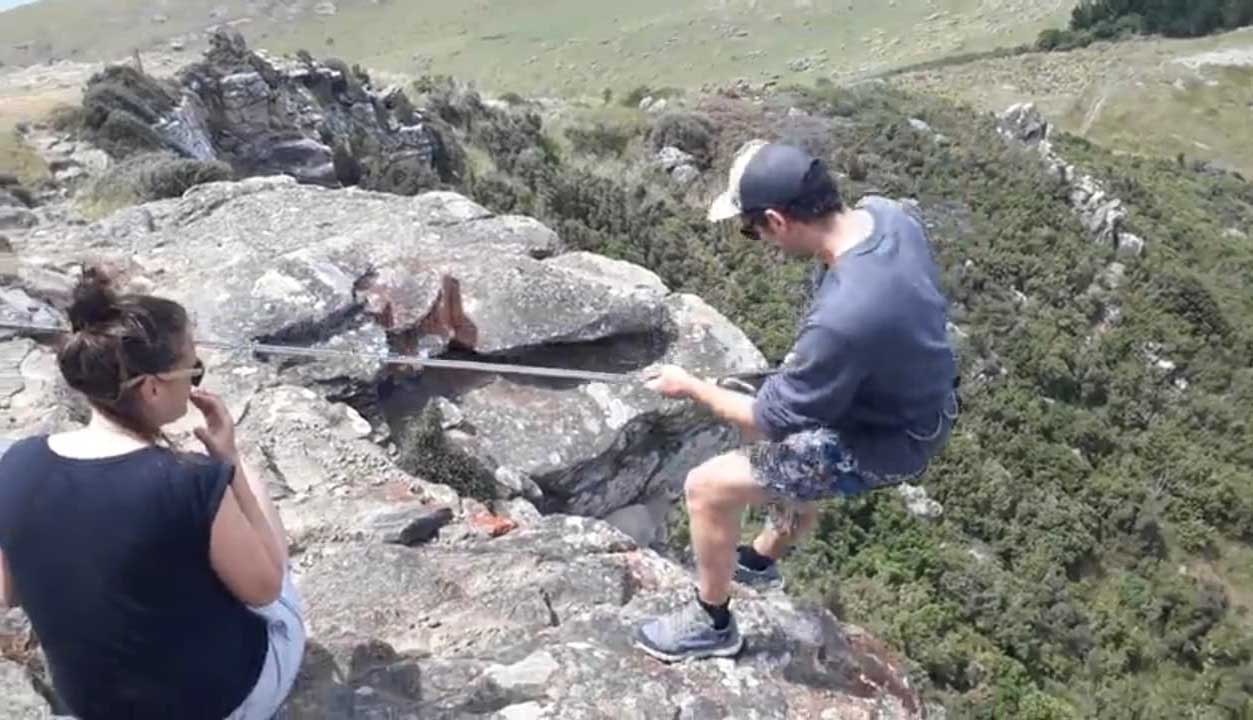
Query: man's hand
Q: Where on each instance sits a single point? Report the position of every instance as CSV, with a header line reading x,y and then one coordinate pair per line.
x,y
671,381
218,435
728,405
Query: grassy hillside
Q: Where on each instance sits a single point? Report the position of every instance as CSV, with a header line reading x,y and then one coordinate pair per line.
x,y
1149,96
1092,561
555,46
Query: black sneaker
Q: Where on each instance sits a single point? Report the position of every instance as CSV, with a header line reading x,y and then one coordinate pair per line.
x,y
767,579
688,634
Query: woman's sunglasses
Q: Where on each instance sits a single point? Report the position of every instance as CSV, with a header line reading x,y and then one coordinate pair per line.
x,y
195,373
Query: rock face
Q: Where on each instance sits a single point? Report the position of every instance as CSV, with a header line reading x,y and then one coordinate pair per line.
x,y
18,699
320,123
422,602
434,585
271,260
1102,215
537,624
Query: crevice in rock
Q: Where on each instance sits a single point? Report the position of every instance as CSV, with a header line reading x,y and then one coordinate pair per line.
x,y
45,691
267,456
553,619
622,353
406,396
410,402
312,331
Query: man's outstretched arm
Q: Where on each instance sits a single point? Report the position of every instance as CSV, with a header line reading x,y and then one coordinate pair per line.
x,y
728,405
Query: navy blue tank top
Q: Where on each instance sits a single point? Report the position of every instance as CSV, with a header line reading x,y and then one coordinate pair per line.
x,y
110,559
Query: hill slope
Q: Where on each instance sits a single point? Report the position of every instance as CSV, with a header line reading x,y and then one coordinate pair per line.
x,y
1151,96
558,46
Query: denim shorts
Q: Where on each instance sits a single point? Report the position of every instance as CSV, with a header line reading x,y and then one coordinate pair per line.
x,y
285,618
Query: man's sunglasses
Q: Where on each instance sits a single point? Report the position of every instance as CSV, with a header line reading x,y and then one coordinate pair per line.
x,y
750,224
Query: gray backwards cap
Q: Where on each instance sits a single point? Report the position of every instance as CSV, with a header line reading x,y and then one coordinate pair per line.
x,y
764,175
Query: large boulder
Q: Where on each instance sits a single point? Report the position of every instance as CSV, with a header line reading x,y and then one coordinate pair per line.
x,y
271,260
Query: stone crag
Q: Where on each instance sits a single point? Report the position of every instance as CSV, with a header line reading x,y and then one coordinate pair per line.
x,y
320,122
423,601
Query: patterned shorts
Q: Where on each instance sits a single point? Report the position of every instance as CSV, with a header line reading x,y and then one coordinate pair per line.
x,y
806,467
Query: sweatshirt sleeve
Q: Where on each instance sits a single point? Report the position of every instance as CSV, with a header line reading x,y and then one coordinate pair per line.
x,y
817,387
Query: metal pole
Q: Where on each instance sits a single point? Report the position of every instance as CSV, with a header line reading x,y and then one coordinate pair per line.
x,y
735,381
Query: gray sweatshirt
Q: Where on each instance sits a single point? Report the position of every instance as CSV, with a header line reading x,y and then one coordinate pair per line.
x,y
872,360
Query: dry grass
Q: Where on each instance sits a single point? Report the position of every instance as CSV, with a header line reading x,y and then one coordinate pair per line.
x,y
563,47
1148,96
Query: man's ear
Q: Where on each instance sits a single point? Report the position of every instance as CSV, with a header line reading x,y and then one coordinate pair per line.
x,y
775,220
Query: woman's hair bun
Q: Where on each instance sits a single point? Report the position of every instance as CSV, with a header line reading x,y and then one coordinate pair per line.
x,y
94,302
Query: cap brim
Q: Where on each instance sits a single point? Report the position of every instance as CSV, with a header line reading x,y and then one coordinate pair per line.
x,y
724,207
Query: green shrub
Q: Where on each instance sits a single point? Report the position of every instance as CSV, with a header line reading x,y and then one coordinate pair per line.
x,y
122,87
68,119
123,135
635,96
171,177
152,176
602,139
348,83
347,168
404,176
693,133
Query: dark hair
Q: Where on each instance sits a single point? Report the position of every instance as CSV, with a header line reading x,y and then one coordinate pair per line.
x,y
116,338
819,198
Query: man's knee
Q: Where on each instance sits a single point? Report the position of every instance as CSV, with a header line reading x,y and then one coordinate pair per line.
x,y
723,481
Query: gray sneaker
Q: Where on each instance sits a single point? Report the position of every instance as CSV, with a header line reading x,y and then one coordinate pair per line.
x,y
768,579
688,634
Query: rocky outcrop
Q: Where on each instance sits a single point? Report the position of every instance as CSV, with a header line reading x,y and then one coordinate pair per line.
x,y
1102,215
422,602
271,260
537,624
319,122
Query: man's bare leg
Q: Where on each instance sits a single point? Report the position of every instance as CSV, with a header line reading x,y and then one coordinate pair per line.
x,y
717,492
773,542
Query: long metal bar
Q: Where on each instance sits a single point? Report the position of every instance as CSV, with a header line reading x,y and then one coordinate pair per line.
x,y
387,358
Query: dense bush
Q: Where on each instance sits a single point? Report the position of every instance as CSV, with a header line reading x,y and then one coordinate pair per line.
x,y
1176,18
1085,474
601,138
153,176
636,95
1093,20
690,132
123,135
119,106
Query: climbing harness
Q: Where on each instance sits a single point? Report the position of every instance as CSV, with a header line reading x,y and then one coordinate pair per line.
x,y
736,381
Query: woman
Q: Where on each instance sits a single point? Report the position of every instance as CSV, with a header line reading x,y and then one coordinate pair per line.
x,y
156,581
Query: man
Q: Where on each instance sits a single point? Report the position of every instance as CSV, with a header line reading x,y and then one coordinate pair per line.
x,y
865,400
